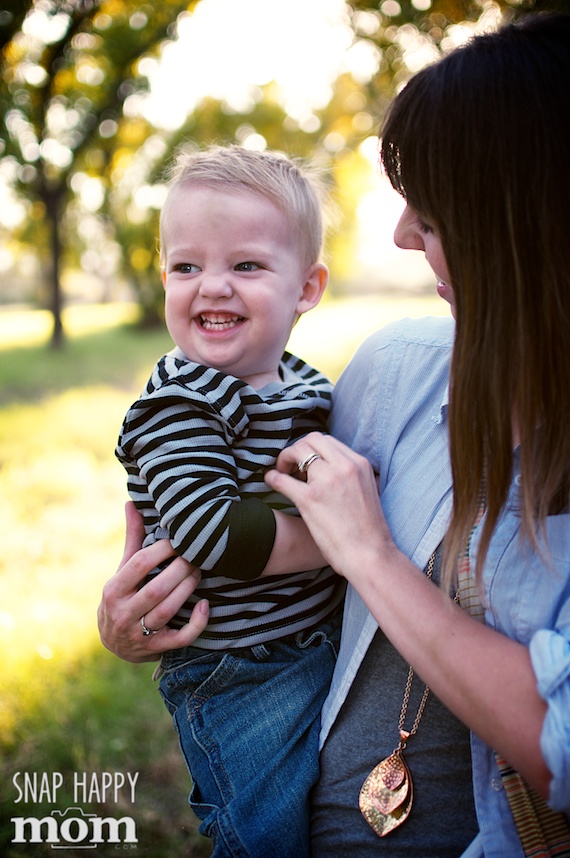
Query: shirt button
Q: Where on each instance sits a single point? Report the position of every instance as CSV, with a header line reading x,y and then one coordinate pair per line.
x,y
518,480
497,784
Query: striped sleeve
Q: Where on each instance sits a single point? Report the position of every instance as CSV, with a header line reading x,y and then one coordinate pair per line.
x,y
181,469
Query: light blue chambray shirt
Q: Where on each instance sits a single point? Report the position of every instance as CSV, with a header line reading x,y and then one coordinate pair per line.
x,y
390,405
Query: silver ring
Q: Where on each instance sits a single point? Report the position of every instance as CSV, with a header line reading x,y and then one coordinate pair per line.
x,y
303,465
147,632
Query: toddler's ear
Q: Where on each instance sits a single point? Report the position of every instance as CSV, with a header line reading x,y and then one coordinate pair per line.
x,y
316,279
163,277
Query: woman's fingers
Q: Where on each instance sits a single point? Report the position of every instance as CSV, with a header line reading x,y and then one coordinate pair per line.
x,y
164,594
135,532
338,502
121,617
127,599
328,448
291,459
168,638
136,562
324,463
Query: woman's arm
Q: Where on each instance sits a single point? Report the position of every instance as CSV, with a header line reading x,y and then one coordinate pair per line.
x,y
485,678
123,604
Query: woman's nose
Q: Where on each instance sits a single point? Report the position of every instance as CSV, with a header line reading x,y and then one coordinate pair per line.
x,y
407,234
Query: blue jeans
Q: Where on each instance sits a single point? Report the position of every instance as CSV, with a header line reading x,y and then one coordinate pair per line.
x,y
248,723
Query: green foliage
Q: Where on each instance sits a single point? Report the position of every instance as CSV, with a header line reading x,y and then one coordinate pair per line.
x,y
92,358
67,67
67,705
98,715
65,90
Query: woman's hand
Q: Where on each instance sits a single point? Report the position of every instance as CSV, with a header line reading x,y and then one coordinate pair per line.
x,y
467,664
337,497
123,605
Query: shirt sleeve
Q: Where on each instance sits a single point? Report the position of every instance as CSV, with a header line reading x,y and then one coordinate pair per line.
x,y
181,459
251,536
550,656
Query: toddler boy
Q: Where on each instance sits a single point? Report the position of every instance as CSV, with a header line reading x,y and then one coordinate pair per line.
x,y
241,240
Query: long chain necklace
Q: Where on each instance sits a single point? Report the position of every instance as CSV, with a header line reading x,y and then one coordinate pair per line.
x,y
387,793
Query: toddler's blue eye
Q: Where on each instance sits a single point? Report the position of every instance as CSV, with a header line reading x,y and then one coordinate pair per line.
x,y
247,266
186,268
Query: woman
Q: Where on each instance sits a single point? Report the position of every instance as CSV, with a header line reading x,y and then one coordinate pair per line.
x,y
479,145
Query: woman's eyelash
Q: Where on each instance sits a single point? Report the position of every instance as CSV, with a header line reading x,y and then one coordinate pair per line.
x,y
424,226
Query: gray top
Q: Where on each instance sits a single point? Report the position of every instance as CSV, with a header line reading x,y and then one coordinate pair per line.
x,y
442,820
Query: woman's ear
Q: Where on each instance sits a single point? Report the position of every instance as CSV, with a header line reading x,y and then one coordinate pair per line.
x,y
316,279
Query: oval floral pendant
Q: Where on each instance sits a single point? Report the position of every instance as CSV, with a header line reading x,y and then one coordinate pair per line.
x,y
386,795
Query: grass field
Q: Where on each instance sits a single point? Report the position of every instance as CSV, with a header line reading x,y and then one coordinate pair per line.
x,y
67,706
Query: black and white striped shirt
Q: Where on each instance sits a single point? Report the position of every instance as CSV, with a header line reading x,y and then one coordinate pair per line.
x,y
196,445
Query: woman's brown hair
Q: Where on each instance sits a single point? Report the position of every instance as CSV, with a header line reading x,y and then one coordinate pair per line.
x,y
479,145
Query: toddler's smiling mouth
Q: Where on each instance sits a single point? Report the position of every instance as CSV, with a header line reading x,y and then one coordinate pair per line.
x,y
219,321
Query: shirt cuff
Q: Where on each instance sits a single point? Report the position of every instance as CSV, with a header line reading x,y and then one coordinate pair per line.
x,y
251,537
550,656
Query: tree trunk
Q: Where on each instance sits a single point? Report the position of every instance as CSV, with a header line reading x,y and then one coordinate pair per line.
x,y
52,200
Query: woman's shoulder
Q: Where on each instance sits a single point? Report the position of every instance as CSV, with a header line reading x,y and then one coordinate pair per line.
x,y
427,331
422,342
402,367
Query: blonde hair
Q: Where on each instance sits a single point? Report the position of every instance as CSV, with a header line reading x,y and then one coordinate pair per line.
x,y
297,190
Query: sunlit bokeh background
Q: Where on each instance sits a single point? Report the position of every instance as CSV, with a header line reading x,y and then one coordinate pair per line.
x,y
91,109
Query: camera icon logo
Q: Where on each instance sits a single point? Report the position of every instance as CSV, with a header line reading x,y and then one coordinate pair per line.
x,y
73,828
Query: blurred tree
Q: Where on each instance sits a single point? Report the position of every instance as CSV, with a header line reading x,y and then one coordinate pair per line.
x,y
68,68
406,34
392,40
74,146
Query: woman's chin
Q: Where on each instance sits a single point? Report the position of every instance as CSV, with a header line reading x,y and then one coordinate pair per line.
x,y
445,291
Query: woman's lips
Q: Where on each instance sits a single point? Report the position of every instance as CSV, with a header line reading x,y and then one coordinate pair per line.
x,y
444,290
